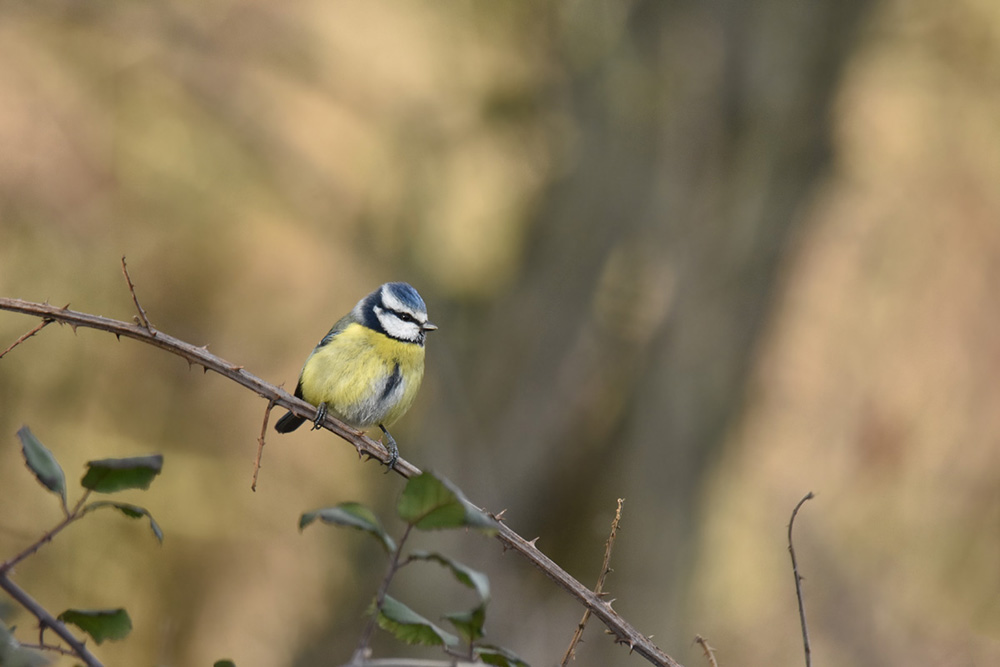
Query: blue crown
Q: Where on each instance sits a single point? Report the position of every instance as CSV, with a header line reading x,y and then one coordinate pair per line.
x,y
409,296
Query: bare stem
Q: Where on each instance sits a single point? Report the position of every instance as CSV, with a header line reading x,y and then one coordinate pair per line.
x,y
143,320
709,651
798,581
361,653
72,516
41,646
260,444
41,325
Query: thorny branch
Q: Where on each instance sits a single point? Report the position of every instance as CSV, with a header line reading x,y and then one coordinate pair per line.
x,y
709,651
141,318
623,631
599,588
798,581
260,444
41,325
46,619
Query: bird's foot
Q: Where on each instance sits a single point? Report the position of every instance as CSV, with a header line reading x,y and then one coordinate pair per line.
x,y
320,416
390,445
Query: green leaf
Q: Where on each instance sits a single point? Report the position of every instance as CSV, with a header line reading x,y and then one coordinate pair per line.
x,y
41,462
131,511
465,574
429,503
469,623
410,627
224,663
110,475
100,624
352,515
496,655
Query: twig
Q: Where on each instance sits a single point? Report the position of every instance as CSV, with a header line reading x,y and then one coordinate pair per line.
x,y
142,319
599,589
709,651
413,662
46,619
798,581
48,647
41,325
260,444
9,564
623,631
362,652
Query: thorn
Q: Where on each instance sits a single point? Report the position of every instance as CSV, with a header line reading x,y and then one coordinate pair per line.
x,y
66,307
532,542
203,348
499,515
119,337
204,368
236,368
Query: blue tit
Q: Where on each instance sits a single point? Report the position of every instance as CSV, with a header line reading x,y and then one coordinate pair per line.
x,y
367,369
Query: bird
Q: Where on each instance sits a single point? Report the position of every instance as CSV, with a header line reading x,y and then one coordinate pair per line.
x,y
367,369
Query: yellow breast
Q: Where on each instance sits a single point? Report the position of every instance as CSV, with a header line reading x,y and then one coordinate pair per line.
x,y
364,377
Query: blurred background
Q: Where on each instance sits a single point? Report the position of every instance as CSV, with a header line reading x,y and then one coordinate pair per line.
x,y
703,256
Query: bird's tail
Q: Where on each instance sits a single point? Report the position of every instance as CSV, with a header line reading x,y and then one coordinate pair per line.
x,y
288,423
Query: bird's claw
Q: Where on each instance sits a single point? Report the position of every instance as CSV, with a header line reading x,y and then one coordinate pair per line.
x,y
390,445
320,416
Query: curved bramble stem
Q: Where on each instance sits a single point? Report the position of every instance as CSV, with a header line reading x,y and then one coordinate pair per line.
x,y
623,632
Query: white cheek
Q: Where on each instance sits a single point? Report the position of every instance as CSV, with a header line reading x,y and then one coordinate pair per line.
x,y
396,327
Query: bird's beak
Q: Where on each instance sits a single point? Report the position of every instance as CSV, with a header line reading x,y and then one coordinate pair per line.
x,y
428,326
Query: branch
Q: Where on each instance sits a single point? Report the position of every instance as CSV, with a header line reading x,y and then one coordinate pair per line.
x,y
260,444
599,588
709,651
141,318
200,356
623,631
412,662
41,325
70,517
49,647
47,620
798,581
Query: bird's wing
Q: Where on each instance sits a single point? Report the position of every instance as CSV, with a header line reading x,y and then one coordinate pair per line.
x,y
337,328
